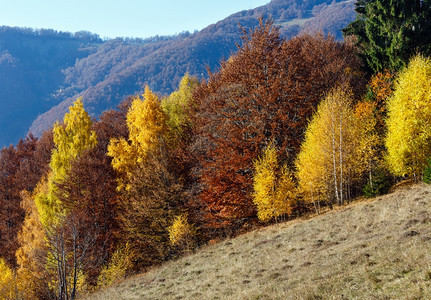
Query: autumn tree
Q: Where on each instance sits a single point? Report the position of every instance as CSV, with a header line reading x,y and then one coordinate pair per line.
x,y
19,170
90,197
146,123
117,268
264,92
32,275
176,105
154,197
409,112
7,281
68,248
70,138
24,248
273,187
21,241
151,191
181,232
11,213
327,164
381,88
371,114
370,144
90,230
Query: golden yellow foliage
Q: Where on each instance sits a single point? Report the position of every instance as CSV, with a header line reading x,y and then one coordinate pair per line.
x,y
31,256
273,193
70,138
120,263
7,281
409,118
175,105
146,122
327,163
369,142
147,125
181,232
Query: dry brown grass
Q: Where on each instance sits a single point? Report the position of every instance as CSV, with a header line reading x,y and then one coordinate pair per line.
x,y
378,249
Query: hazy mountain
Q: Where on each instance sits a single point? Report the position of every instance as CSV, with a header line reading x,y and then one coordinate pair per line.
x,y
31,64
43,72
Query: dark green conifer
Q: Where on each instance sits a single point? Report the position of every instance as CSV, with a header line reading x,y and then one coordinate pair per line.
x,y
390,32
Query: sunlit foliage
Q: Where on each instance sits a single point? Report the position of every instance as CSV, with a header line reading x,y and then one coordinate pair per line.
x,y
273,186
181,232
146,122
71,138
327,164
409,134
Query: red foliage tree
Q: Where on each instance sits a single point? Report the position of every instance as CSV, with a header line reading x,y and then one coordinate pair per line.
x,y
265,92
21,167
11,213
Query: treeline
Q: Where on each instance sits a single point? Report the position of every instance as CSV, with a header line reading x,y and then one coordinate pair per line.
x,y
84,36
284,127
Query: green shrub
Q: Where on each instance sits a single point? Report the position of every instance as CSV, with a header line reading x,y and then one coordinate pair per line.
x,y
427,172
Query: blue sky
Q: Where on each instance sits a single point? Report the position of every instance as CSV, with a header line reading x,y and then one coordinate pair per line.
x,y
125,18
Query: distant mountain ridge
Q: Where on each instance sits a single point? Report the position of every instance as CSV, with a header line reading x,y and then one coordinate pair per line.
x,y
31,64
104,72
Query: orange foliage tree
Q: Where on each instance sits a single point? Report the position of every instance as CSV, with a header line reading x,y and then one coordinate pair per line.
x,y
381,87
20,169
264,92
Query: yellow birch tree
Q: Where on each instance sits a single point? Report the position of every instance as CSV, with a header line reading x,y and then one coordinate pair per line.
x,y
327,161
370,148
38,249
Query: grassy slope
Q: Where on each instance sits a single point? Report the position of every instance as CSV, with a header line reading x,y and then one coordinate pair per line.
x,y
379,249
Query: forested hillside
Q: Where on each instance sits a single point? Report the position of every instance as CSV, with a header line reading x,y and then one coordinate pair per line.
x,y
281,129
105,72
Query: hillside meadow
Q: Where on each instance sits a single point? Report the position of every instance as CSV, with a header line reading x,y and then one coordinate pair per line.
x,y
370,249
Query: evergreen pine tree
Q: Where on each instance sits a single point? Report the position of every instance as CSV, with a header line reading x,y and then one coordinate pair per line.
x,y
390,32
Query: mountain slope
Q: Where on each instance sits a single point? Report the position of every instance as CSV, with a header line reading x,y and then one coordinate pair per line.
x,y
123,67
375,249
43,71
31,63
